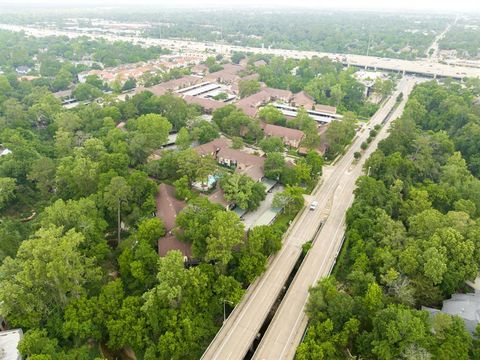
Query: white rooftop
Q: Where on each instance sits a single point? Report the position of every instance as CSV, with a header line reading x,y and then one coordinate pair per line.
x,y
4,151
319,116
8,344
466,306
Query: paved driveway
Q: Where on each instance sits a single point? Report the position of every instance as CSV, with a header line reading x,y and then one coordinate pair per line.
x,y
264,210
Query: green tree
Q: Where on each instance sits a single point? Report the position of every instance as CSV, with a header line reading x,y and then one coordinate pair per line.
x,y
37,342
195,167
194,220
11,234
383,87
130,84
237,143
204,131
118,192
149,132
265,239
339,134
396,328
7,191
315,161
303,172
43,173
46,274
272,144
182,188
248,87
274,165
226,231
272,115
453,339
243,191
291,199
94,80
62,80
84,217
183,140
86,92
237,56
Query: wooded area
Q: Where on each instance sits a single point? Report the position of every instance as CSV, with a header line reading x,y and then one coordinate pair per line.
x,y
412,240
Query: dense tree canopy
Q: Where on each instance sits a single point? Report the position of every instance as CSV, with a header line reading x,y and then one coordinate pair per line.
x,y
411,241
243,191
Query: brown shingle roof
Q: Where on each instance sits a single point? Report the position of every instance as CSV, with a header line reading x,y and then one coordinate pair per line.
x,y
279,93
253,76
218,197
207,104
62,94
200,68
250,104
248,164
260,63
303,99
233,68
283,132
172,85
222,76
227,74
254,172
240,157
326,109
157,90
211,147
168,206
170,242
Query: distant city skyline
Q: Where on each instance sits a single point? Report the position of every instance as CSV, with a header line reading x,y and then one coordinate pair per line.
x,y
412,5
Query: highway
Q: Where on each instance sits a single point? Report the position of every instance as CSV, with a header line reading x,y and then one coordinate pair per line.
x,y
422,67
290,321
433,50
242,326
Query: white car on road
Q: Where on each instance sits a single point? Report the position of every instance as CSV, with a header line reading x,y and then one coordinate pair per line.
x,y
313,205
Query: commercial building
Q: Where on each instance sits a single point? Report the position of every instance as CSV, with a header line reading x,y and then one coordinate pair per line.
x,y
9,340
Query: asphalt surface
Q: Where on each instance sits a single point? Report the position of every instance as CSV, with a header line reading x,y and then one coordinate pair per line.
x,y
289,323
334,196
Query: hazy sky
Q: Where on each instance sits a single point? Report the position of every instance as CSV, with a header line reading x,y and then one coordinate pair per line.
x,y
440,5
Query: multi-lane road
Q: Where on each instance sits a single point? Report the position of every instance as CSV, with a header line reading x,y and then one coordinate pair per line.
x,y
334,196
290,321
423,67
